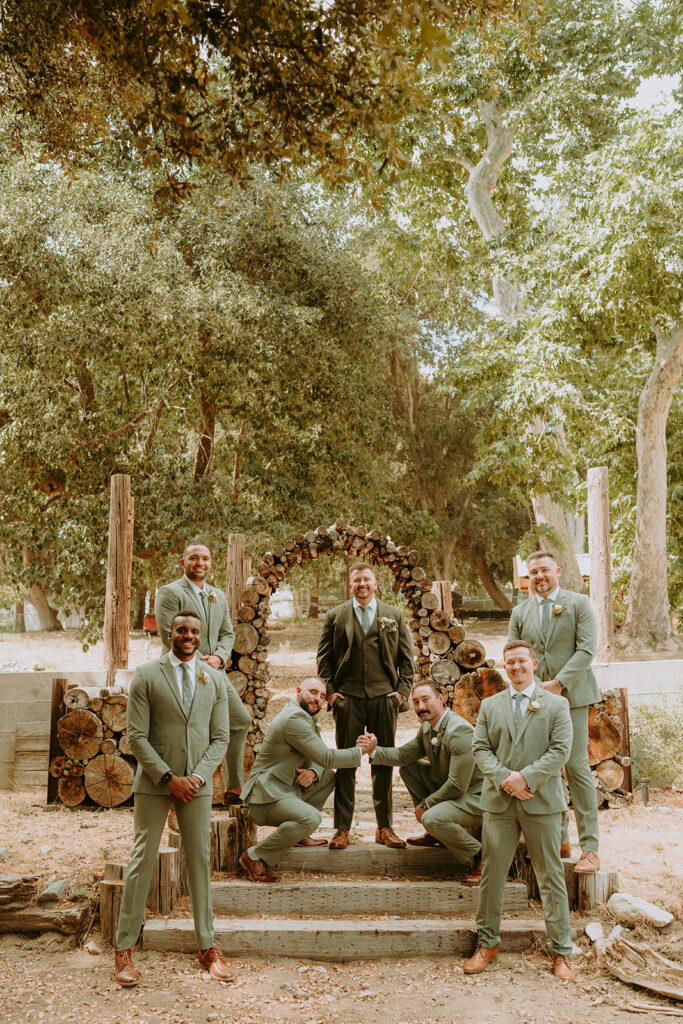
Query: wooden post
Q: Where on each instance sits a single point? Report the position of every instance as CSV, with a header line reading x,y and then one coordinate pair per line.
x,y
19,618
56,712
442,589
235,572
601,560
119,563
110,905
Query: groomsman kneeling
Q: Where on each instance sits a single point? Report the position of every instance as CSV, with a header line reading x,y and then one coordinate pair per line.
x,y
522,739
291,780
446,792
177,728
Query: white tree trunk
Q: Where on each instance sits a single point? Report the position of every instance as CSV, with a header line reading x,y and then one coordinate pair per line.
x,y
483,178
647,624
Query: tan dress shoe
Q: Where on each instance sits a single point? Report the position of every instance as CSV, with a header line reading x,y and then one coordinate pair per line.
x,y
473,876
425,840
479,960
172,821
387,837
310,841
127,973
231,799
562,968
257,870
215,964
565,850
340,839
588,864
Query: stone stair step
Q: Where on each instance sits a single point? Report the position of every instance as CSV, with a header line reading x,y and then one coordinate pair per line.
x,y
373,859
325,939
341,898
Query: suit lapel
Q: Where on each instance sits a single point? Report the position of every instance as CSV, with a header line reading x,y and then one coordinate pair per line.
x,y
560,599
349,615
529,714
167,669
532,623
194,597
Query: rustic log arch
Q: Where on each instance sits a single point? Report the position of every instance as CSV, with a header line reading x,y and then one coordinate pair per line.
x,y
442,652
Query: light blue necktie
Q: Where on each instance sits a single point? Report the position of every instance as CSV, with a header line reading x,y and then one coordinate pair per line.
x,y
187,690
545,615
365,617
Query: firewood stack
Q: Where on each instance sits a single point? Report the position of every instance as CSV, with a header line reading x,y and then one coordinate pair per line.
x,y
442,652
609,747
96,761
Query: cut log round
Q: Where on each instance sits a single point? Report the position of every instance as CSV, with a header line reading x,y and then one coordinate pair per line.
x,y
438,643
246,664
57,765
611,775
239,681
470,653
108,746
246,613
445,672
491,682
71,790
259,584
124,745
113,713
250,597
457,633
109,780
440,621
80,696
246,638
79,734
430,600
604,735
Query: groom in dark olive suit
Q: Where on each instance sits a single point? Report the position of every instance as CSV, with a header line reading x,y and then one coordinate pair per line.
x,y
365,657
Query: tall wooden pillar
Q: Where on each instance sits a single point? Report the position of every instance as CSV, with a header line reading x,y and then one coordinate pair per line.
x,y
119,564
442,589
238,569
601,560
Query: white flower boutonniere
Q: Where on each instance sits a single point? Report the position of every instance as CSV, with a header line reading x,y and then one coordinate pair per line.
x,y
435,741
212,598
203,677
532,706
386,622
557,609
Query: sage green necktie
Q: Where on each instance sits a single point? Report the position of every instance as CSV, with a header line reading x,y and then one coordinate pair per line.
x,y
365,617
517,708
545,615
187,690
205,603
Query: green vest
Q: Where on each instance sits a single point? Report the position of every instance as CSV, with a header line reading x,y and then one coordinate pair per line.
x,y
366,675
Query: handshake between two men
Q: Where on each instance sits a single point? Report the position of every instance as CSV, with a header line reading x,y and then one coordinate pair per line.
x,y
305,777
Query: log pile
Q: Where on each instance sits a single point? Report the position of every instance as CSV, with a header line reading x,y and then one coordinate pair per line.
x,y
95,764
609,747
442,651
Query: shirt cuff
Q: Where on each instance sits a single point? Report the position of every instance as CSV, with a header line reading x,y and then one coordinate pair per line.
x,y
198,776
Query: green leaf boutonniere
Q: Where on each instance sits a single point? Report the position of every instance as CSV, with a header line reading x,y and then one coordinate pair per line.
x,y
557,609
386,622
212,598
203,677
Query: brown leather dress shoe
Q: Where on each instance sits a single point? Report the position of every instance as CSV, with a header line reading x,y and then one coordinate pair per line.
x,y
588,864
479,960
565,850
172,821
215,964
562,968
257,870
231,799
387,837
425,840
340,839
127,973
310,841
473,876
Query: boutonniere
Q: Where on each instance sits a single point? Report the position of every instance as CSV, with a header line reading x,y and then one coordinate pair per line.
x,y
557,609
386,622
212,598
533,705
435,741
204,677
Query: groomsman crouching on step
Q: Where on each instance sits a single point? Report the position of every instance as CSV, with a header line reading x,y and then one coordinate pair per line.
x,y
446,791
522,739
291,779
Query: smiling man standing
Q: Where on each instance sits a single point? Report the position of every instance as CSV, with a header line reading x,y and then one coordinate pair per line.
x,y
177,728
365,657
562,628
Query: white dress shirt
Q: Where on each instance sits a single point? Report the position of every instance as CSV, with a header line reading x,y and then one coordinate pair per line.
x,y
178,672
552,598
526,697
371,606
438,724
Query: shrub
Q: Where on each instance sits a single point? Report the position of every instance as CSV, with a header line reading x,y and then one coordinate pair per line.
x,y
657,742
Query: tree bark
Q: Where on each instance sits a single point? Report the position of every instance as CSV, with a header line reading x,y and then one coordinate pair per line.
x,y
205,446
647,624
490,585
47,616
140,595
549,513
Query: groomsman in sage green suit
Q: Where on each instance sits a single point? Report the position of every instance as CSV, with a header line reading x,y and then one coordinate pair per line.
x,y
561,627
446,791
291,779
211,604
177,728
522,739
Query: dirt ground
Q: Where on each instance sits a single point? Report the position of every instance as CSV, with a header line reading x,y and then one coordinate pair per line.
x,y
42,978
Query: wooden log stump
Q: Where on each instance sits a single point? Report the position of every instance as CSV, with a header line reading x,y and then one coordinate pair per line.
x,y
175,842
246,638
224,844
71,790
111,892
246,830
77,697
470,653
604,735
611,775
109,780
164,888
80,734
113,713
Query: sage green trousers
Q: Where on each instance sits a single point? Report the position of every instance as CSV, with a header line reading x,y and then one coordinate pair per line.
x,y
447,820
295,816
581,785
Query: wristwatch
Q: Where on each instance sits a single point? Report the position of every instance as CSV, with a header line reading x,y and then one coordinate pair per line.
x,y
166,776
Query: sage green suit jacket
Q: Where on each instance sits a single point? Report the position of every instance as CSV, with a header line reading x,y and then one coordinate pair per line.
x,y
160,735
567,652
291,742
217,632
452,768
538,750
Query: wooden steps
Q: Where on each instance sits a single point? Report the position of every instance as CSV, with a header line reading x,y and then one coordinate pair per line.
x,y
372,859
344,899
338,940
